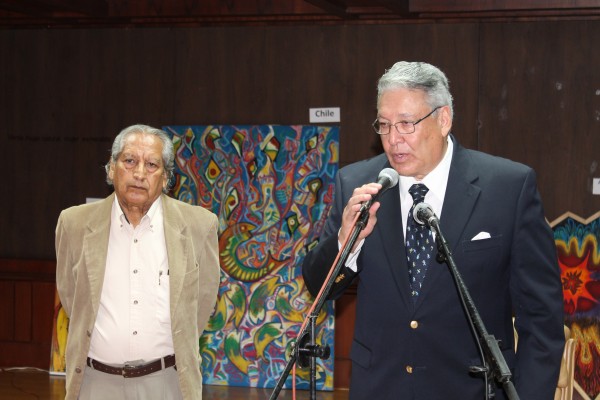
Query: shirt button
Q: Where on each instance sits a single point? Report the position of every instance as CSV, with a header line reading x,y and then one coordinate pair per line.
x,y
414,324
135,271
134,333
409,369
135,241
78,370
135,302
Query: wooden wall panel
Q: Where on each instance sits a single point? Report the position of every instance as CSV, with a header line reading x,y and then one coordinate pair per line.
x,y
540,105
23,311
27,291
7,311
67,93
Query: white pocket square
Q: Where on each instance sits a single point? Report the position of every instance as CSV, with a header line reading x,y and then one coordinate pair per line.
x,y
481,235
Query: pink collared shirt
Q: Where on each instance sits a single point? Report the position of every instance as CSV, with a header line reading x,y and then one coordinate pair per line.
x,y
133,321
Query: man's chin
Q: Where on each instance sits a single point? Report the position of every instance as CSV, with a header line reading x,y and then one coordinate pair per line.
x,y
136,200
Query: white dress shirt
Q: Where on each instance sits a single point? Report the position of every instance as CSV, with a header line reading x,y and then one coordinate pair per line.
x,y
133,321
436,181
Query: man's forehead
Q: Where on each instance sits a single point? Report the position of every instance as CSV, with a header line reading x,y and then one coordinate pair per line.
x,y
142,139
133,146
135,151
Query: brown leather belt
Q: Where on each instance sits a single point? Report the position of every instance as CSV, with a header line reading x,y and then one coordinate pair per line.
x,y
133,371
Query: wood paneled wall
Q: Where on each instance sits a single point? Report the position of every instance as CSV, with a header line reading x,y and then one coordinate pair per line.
x,y
27,292
526,90
67,93
539,103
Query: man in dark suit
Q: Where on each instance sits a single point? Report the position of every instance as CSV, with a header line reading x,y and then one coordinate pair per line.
x,y
412,339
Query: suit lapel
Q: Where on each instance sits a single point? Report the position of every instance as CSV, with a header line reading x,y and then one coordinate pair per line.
x,y
459,201
177,248
95,245
392,237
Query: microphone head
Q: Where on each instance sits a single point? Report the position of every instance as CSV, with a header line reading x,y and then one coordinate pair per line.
x,y
422,212
388,177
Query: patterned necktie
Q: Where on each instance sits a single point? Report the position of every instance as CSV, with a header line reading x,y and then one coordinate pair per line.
x,y
419,243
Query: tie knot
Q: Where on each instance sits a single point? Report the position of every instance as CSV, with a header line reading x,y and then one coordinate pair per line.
x,y
418,192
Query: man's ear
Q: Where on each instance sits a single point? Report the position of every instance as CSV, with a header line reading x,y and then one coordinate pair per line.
x,y
445,120
165,181
111,170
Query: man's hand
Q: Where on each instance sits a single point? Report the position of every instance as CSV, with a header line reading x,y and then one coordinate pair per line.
x,y
359,196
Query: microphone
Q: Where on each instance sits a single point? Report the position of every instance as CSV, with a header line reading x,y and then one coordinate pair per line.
x,y
388,178
424,215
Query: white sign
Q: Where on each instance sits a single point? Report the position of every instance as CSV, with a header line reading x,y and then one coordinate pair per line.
x,y
596,186
327,114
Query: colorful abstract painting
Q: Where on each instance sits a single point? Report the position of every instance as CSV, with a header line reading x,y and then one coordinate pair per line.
x,y
579,259
271,187
60,328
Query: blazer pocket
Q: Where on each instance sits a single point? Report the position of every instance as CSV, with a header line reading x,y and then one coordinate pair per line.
x,y
482,244
191,278
360,354
193,268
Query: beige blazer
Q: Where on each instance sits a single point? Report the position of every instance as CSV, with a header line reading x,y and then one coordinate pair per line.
x,y
192,247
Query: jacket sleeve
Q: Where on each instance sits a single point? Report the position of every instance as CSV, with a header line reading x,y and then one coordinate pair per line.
x,y
64,277
537,298
211,273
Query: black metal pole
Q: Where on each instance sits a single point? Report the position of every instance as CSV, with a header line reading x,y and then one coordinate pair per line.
x,y
313,360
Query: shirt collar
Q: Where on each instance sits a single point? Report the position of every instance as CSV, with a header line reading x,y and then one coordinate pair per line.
x,y
153,215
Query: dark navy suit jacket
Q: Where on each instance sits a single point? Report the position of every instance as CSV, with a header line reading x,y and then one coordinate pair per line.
x,y
406,350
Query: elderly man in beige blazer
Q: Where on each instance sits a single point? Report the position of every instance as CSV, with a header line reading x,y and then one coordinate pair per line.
x,y
138,275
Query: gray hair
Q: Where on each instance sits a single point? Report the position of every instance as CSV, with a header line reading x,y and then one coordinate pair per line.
x,y
168,156
420,76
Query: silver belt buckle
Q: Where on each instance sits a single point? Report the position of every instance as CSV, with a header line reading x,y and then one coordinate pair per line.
x,y
126,369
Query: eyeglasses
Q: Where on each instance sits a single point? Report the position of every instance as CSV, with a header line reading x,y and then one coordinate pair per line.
x,y
403,127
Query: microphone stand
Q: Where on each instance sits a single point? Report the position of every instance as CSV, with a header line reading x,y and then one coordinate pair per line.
x,y
494,364
305,350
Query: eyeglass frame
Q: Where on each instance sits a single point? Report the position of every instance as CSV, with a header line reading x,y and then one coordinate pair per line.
x,y
414,124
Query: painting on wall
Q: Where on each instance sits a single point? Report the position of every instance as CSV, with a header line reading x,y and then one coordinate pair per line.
x,y
60,328
579,259
271,187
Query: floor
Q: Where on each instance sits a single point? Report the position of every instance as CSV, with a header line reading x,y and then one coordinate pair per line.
x,y
34,384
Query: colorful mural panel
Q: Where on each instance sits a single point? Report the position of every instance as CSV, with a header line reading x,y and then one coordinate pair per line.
x,y
272,188
60,328
579,259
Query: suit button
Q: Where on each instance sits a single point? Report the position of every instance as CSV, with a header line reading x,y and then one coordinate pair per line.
x,y
409,369
414,324
78,370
